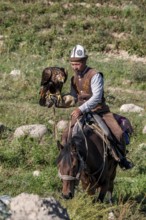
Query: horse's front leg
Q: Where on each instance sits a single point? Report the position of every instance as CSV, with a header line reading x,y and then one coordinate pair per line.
x,y
87,185
102,192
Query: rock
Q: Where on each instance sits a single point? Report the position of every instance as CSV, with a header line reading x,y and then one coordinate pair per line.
x,y
32,207
144,130
15,73
1,37
61,125
4,207
34,131
111,216
51,122
131,108
36,173
142,145
127,82
2,46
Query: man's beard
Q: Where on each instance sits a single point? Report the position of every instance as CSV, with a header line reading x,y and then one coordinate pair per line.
x,y
77,72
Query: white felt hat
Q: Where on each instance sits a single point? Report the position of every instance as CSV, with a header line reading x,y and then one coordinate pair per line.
x,y
78,53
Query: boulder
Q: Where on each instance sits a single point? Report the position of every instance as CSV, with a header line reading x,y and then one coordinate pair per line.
x,y
32,207
144,130
34,131
15,73
61,125
131,108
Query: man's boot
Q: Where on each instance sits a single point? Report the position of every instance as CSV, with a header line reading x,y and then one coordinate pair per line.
x,y
125,164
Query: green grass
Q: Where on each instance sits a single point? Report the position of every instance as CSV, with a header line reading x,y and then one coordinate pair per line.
x,y
36,35
37,32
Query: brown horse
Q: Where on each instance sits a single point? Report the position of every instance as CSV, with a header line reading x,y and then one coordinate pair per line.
x,y
86,158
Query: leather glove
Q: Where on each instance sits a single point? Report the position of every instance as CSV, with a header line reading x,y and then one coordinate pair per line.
x,y
76,113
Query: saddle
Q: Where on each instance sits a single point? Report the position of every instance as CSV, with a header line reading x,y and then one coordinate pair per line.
x,y
90,123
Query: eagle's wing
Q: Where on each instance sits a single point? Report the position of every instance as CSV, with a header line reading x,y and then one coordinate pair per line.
x,y
46,76
65,73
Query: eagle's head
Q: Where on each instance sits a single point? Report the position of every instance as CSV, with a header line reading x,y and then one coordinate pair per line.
x,y
52,82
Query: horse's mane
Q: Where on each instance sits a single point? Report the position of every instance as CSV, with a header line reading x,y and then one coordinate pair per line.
x,y
79,143
64,154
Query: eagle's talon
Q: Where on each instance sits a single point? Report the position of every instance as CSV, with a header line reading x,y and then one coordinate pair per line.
x,y
54,99
49,103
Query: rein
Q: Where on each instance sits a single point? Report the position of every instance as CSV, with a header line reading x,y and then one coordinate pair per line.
x,y
98,132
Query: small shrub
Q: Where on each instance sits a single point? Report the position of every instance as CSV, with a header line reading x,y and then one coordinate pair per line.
x,y
138,73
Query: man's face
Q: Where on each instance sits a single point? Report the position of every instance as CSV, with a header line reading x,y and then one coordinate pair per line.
x,y
78,66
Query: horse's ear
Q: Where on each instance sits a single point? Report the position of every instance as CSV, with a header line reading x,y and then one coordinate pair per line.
x,y
59,145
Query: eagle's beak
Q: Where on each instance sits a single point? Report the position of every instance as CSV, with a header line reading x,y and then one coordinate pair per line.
x,y
61,78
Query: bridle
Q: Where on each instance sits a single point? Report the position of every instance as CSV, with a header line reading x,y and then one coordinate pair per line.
x,y
83,164
77,177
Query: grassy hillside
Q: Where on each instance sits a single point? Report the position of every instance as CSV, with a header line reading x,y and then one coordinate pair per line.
x,y
41,33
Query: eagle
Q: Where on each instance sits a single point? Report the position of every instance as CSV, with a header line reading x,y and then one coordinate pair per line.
x,y
52,81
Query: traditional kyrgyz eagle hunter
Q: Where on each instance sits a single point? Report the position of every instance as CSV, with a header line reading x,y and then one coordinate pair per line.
x,y
53,79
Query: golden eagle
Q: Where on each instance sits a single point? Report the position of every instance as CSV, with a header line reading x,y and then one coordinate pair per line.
x,y
53,79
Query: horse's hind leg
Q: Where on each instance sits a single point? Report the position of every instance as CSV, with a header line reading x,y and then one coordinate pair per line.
x,y
86,185
111,185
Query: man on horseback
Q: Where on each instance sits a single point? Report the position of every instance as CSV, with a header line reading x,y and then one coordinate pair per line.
x,y
87,88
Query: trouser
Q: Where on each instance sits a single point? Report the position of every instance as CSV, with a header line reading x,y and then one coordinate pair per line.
x,y
113,126
116,130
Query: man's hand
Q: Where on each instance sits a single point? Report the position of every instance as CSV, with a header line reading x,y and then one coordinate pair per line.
x,y
76,113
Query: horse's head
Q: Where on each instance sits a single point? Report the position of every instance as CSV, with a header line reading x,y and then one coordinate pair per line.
x,y
69,165
53,79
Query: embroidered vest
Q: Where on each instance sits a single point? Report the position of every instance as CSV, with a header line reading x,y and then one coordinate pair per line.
x,y
82,86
